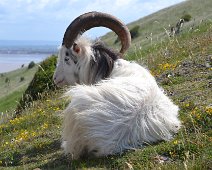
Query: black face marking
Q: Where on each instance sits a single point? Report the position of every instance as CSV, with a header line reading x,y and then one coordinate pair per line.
x,y
69,55
73,57
66,59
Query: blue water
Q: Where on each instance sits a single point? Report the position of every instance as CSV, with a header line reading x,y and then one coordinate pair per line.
x,y
9,62
22,58
13,54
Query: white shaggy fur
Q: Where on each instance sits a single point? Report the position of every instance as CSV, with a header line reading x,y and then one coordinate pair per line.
x,y
125,111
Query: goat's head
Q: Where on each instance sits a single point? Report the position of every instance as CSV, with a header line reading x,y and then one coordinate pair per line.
x,y
83,62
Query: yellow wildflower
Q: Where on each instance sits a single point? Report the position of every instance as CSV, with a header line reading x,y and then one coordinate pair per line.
x,y
175,142
44,126
33,134
208,110
56,109
187,105
198,116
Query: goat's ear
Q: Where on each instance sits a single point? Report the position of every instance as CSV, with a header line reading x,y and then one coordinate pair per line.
x,y
76,48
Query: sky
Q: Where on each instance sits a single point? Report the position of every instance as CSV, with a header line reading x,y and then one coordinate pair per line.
x,y
47,19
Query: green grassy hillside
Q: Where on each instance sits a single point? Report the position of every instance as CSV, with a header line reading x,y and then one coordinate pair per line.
x,y
11,92
152,28
180,64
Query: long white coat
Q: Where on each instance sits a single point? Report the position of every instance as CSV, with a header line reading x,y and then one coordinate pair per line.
x,y
125,111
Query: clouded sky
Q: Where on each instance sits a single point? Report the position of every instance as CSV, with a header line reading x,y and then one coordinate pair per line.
x,y
48,19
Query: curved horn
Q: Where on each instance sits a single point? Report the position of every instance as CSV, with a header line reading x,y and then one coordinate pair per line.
x,y
97,19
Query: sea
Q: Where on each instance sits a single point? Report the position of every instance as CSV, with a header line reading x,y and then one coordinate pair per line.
x,y
16,53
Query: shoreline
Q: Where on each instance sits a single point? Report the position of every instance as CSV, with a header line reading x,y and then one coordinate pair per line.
x,y
11,62
8,67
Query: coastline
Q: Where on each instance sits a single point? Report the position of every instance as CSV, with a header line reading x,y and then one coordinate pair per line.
x,y
10,62
7,67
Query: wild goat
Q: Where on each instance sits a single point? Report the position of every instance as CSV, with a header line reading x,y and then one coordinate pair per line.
x,y
115,104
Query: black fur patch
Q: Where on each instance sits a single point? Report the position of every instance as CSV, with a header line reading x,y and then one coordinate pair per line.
x,y
103,62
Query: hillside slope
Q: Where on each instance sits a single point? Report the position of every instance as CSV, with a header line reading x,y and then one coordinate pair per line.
x,y
152,28
12,86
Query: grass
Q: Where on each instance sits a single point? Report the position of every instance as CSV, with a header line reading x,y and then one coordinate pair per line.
x,y
10,93
11,100
153,27
22,138
181,65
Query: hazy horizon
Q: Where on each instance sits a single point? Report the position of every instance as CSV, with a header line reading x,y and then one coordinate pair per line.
x,y
27,42
13,54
